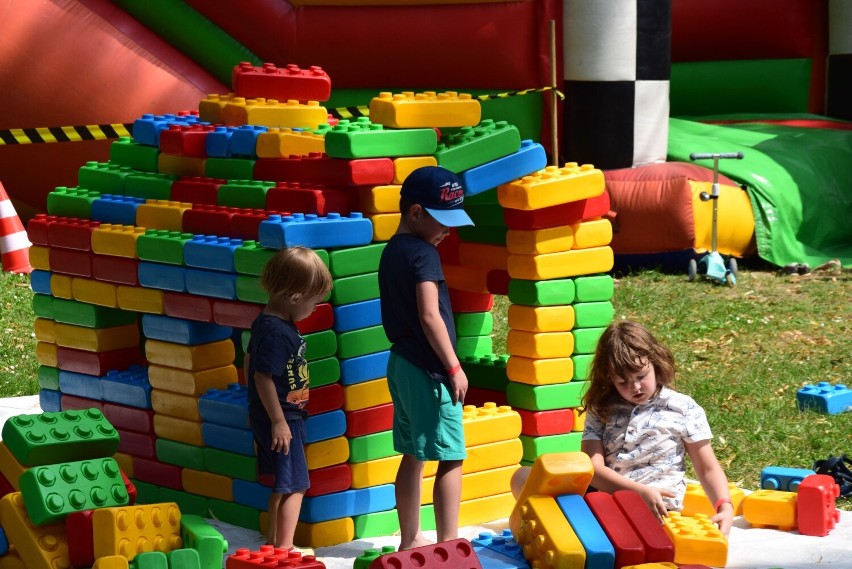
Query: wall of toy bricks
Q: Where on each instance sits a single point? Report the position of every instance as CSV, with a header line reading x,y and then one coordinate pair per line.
x,y
146,282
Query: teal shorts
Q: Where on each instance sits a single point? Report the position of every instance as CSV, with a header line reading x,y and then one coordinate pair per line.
x,y
426,424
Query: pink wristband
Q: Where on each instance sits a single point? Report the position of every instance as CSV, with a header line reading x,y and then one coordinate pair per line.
x,y
454,370
721,501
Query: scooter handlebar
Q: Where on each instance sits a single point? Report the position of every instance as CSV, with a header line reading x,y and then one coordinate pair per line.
x,y
707,155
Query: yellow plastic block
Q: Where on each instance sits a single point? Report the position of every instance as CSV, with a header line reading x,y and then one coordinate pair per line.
x,y
94,292
540,241
771,508
162,214
546,536
483,256
466,278
490,456
560,265
45,330
490,424
125,463
366,394
483,510
541,318
111,562
175,405
11,560
552,186
138,299
192,358
176,429
191,382
653,565
39,547
592,233
175,165
384,226
474,485
10,467
379,199
553,474
540,344
97,339
375,472
425,110
538,371
284,142
405,165
207,484
46,354
579,420
695,501
210,108
270,112
129,530
324,534
116,240
327,453
40,257
60,286
696,540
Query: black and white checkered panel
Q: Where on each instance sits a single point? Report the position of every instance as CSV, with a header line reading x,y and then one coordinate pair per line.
x,y
838,94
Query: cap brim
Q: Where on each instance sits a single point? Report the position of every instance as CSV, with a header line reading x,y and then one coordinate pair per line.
x,y
450,217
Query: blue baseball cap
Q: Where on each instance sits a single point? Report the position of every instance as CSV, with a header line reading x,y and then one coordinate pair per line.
x,y
439,192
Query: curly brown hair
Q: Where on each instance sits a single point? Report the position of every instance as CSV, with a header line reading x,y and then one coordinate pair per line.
x,y
624,348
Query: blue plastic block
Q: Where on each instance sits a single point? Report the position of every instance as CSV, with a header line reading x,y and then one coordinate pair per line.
x,y
347,503
4,543
40,281
223,437
110,208
147,128
129,387
161,276
225,406
313,231
325,426
251,494
211,283
825,398
218,143
211,252
600,553
783,478
181,331
244,140
530,158
80,384
490,559
364,368
50,400
504,545
357,315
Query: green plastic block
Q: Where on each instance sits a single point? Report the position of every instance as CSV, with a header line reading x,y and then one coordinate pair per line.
x,y
43,305
91,315
486,234
186,558
250,258
362,342
534,447
235,514
324,371
53,491
597,288
231,464
488,197
187,503
586,339
485,214
320,345
48,377
593,314
149,186
474,323
147,493
582,366
355,260
162,246
375,522
71,202
541,293
180,454
229,168
249,289
546,397
474,146
474,346
371,447
126,152
103,177
199,535
487,372
356,288
363,139
150,560
244,193
48,438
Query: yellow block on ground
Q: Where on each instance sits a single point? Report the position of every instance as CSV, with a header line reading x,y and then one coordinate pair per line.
x,y
175,404
39,547
94,292
771,508
324,534
425,110
696,540
191,382
552,186
540,371
695,501
162,214
97,339
327,453
545,534
592,233
177,429
405,165
560,265
539,241
192,358
116,240
540,344
558,318
366,394
123,531
138,299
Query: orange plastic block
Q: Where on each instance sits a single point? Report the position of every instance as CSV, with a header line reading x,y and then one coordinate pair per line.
x,y
323,534
111,562
771,508
424,110
489,424
184,166
116,240
97,339
210,108
175,405
466,278
207,484
483,510
45,330
560,265
540,344
366,394
553,475
327,453
483,256
696,540
39,547
40,257
286,142
191,358
138,299
538,371
375,472
546,535
695,501
46,354
558,318
593,233
270,112
552,186
405,165
94,292
475,485
379,199
11,560
191,382
60,286
162,214
177,429
540,241
129,530
384,226
10,467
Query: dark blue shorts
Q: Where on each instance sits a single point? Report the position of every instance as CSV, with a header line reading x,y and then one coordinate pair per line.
x,y
290,471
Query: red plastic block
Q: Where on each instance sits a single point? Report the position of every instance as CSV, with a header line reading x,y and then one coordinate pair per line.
x,y
185,140
7,488
74,403
553,216
466,301
196,190
119,270
269,556
131,489
37,229
98,363
478,397
329,480
628,547
235,313
188,306
244,225
320,170
326,398
321,319
137,444
816,511
448,249
71,233
70,262
156,472
291,196
497,282
453,554
543,423
81,540
129,418
658,546
282,83
370,420
224,221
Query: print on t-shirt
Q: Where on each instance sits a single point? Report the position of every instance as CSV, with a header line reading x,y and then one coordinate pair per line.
x,y
297,378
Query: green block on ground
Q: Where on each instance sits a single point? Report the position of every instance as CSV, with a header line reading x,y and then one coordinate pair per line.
x,y
355,260
71,202
244,193
593,314
371,447
149,186
103,177
324,371
541,293
150,560
534,447
162,246
474,323
595,288
473,146
250,290
229,168
320,345
586,339
230,464
546,397
187,503
485,214
126,152
184,558
362,342
487,372
235,514
487,234
180,454
355,288
363,139
372,523
582,366
48,377
474,346
90,315
43,305
200,536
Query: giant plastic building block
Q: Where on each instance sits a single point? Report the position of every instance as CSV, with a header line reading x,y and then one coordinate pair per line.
x,y
425,110
116,240
561,214
210,108
816,512
320,169
218,142
545,534
825,397
628,547
78,530
284,142
197,534
244,193
530,158
696,540
540,241
572,263
180,454
364,139
71,202
771,508
489,423
138,299
658,547
232,439
193,358
695,501
225,406
129,530
161,214
103,177
357,315
181,331
296,197
129,387
69,233
542,293
552,186
592,233
492,549
474,146
315,232
244,140
783,478
180,165
272,113
488,372
147,128
538,371
355,288
269,556
162,246
126,152
540,344
149,185
544,423
541,318
455,554
347,504
196,190
600,553
44,547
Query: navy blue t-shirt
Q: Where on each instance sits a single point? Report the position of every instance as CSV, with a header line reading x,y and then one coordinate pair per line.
x,y
277,348
406,261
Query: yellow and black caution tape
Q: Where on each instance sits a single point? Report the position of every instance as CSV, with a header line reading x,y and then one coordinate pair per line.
x,y
65,133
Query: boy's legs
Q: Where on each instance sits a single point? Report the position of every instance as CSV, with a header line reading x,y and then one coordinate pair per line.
x,y
409,478
289,506
446,497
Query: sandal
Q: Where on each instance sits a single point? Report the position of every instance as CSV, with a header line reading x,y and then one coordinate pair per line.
x,y
835,467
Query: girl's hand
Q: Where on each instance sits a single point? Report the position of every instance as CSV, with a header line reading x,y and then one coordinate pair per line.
x,y
281,436
724,518
654,498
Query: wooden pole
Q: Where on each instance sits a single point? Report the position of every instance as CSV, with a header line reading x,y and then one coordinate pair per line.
x,y
554,123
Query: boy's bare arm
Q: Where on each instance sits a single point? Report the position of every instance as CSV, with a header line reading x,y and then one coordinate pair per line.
x,y
713,481
269,397
438,336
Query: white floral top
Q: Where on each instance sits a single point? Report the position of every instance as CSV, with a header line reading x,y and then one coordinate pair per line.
x,y
645,443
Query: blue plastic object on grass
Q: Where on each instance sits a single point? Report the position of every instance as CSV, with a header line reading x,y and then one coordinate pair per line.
x,y
825,398
783,478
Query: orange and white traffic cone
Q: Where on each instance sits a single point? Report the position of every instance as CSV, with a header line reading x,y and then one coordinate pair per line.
x,y
14,244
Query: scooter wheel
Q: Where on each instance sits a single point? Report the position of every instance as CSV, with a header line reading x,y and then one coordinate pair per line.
x,y
732,266
692,270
